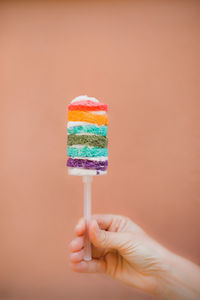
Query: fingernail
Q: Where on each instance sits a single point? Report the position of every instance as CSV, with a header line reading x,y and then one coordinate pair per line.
x,y
80,224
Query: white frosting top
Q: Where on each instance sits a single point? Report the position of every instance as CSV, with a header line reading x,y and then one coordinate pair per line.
x,y
84,97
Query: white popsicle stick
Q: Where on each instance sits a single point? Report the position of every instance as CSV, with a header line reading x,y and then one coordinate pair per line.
x,y
87,180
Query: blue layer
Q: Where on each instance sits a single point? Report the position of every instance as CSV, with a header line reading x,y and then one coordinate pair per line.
x,y
87,152
95,129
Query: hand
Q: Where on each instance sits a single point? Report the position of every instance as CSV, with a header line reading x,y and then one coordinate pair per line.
x,y
124,251
120,249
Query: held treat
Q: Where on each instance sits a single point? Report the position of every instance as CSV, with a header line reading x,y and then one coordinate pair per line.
x,y
87,137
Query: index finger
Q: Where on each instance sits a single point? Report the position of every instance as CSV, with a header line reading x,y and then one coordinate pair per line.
x,y
104,221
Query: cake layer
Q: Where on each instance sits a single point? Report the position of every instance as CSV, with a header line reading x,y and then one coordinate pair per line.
x,y
99,158
98,112
78,123
86,151
87,164
87,105
77,115
99,130
88,140
82,172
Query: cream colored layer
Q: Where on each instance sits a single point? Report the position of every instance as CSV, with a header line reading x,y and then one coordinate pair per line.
x,y
98,112
77,123
82,172
98,158
81,146
85,133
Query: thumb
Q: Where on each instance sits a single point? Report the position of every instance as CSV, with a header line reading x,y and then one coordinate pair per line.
x,y
106,239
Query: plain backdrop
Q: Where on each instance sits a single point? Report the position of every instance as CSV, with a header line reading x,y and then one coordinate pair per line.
x,y
142,59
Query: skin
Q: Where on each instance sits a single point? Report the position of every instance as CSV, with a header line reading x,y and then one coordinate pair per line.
x,y
122,250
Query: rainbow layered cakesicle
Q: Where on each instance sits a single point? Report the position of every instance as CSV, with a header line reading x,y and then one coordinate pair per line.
x,y
87,137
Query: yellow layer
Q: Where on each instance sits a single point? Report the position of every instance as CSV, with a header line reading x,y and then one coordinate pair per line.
x,y
83,116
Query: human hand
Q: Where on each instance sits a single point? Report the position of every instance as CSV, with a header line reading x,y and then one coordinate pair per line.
x,y
121,249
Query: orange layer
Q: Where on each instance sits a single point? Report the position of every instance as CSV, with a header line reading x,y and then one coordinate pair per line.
x,y
83,116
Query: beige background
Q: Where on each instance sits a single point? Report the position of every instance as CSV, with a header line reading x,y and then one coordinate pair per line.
x,y
140,57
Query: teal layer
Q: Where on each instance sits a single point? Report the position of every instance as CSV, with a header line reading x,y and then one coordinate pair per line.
x,y
100,130
87,152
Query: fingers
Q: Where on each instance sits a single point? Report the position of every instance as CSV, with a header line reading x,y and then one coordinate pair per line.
x,y
76,244
105,231
116,223
105,239
101,237
80,227
104,221
77,256
110,222
93,266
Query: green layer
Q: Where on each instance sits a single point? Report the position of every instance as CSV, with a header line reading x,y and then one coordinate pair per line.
x,y
99,130
88,140
87,152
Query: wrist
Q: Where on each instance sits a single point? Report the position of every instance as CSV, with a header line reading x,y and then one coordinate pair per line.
x,y
178,278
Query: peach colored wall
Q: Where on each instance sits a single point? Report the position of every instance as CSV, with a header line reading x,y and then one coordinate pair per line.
x,y
140,57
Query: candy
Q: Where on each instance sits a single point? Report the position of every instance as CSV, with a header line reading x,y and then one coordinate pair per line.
x,y
87,136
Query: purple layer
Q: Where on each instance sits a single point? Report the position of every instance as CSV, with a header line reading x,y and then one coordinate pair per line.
x,y
87,164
